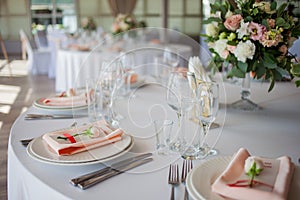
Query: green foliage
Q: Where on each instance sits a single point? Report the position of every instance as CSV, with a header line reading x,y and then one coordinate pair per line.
x,y
269,61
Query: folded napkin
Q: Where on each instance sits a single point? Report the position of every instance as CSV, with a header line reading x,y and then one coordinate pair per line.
x,y
66,99
196,66
83,138
273,181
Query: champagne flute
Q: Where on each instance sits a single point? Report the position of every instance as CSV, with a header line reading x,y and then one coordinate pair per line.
x,y
207,106
180,96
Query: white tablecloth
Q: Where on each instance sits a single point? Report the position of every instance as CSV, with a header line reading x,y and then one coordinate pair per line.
x,y
74,67
271,132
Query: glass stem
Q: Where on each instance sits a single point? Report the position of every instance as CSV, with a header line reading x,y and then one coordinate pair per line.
x,y
245,92
205,128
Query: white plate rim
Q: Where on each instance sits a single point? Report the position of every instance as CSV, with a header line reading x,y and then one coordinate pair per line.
x,y
30,153
42,158
192,188
220,163
47,107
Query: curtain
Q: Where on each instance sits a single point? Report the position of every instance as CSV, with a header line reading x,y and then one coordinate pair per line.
x,y
121,6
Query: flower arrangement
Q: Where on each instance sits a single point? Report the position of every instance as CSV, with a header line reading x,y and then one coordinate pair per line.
x,y
125,22
88,24
253,36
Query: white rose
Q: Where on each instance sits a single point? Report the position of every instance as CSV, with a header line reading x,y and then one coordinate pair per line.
x,y
124,26
220,46
211,30
250,161
244,50
263,6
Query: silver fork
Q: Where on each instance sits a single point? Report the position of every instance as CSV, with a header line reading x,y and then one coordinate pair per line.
x,y
186,168
173,178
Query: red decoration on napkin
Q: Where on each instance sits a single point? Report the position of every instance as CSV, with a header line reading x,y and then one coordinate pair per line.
x,y
273,182
105,136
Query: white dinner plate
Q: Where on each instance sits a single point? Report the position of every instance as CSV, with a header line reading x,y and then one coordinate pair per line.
x,y
200,179
40,104
39,150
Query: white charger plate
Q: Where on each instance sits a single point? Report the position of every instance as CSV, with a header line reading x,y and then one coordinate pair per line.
x,y
40,104
200,179
39,150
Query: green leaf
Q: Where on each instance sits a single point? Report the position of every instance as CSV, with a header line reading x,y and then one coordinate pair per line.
x,y
242,66
260,70
273,5
211,19
297,83
237,72
295,70
281,9
265,23
271,85
280,22
269,61
282,71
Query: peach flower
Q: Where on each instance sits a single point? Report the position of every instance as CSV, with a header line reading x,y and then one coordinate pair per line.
x,y
233,22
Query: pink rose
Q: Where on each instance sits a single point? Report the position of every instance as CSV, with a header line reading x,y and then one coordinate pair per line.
x,y
231,48
233,22
224,54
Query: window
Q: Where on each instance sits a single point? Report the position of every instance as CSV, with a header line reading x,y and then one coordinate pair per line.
x,y
54,12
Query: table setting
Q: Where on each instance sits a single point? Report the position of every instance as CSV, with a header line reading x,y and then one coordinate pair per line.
x,y
156,131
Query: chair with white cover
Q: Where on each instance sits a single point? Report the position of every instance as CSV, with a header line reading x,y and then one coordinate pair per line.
x,y
40,38
39,60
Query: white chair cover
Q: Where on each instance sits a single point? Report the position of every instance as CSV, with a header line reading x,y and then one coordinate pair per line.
x,y
38,60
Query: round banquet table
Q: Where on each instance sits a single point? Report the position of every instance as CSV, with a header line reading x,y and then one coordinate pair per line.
x,y
270,132
74,67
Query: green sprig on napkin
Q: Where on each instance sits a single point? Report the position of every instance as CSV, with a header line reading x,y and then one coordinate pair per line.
x,y
87,132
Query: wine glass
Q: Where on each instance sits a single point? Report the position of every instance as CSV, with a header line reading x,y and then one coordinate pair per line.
x,y
111,78
128,63
171,57
207,106
180,96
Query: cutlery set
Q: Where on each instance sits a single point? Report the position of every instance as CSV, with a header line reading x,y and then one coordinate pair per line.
x,y
45,116
90,179
173,178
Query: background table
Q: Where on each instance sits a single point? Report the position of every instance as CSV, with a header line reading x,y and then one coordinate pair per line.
x,y
271,132
74,67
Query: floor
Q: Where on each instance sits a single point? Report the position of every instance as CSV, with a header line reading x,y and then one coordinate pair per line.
x,y
17,92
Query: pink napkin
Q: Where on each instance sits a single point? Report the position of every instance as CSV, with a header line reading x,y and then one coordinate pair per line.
x,y
105,136
79,100
277,173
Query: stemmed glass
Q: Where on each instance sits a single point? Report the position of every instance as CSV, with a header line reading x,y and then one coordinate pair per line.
x,y
110,78
171,57
180,96
128,63
207,106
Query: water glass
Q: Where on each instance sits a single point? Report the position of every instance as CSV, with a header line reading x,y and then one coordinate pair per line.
x,y
163,132
95,100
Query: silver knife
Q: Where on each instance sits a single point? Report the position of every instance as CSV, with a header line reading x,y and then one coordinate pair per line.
x,y
117,165
90,182
40,116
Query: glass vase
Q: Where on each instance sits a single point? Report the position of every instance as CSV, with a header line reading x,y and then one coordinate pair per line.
x,y
245,102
